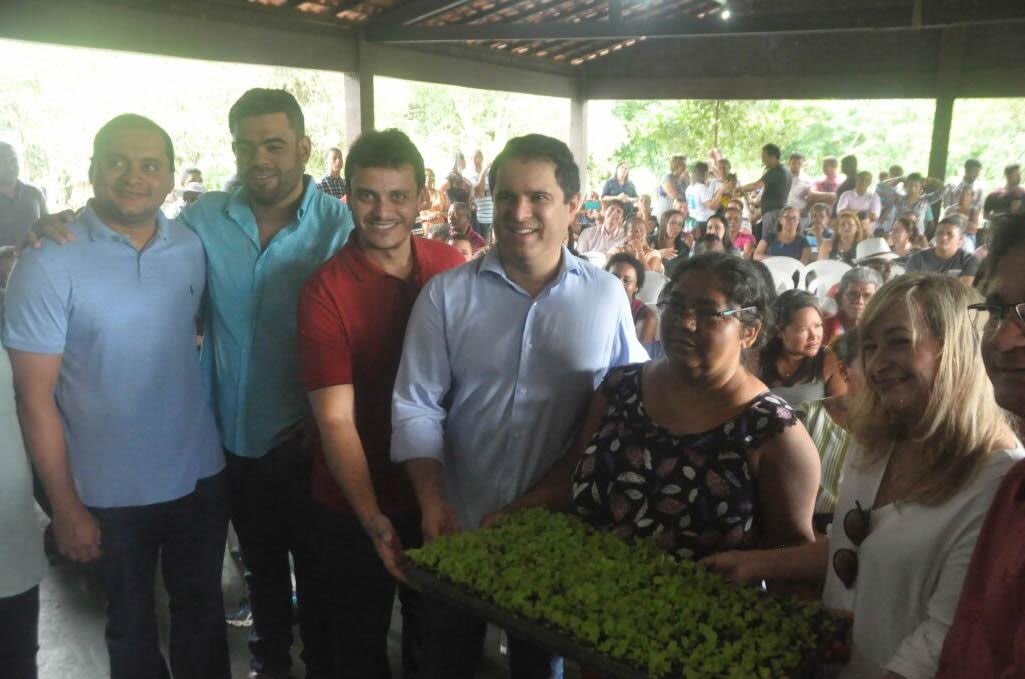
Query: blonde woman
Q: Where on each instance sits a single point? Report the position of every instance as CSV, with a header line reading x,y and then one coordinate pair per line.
x,y
915,489
847,234
431,208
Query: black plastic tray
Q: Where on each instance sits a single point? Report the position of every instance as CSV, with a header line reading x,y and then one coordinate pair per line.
x,y
552,639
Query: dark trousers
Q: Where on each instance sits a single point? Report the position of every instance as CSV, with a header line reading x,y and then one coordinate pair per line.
x,y
360,594
272,511
19,634
187,535
454,644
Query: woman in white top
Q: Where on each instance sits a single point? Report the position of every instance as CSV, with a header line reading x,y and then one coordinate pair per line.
x,y
932,449
22,563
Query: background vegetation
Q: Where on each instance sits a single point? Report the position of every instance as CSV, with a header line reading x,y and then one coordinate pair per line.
x,y
55,98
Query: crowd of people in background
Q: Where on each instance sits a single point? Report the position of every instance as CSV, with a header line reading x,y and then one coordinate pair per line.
x,y
816,383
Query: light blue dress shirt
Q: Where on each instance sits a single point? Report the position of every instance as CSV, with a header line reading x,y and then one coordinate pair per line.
x,y
250,349
493,382
136,415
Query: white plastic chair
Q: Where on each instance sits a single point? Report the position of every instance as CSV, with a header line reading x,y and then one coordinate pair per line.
x,y
783,270
653,284
597,258
821,285
827,267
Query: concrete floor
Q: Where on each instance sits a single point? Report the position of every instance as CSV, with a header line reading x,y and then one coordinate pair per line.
x,y
72,620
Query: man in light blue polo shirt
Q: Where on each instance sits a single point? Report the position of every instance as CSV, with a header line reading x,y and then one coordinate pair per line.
x,y
101,334
262,242
500,359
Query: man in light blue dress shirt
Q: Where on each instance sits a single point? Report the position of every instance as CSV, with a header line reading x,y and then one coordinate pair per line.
x,y
500,360
115,415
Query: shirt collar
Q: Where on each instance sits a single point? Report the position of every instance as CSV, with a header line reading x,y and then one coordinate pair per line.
x,y
241,211
99,231
364,269
491,263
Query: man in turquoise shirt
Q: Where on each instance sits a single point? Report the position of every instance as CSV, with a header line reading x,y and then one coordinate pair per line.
x,y
262,242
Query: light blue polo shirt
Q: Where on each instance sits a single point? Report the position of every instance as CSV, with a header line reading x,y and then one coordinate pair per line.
x,y
250,348
137,419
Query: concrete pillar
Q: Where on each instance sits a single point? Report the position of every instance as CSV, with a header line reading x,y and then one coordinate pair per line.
x,y
952,49
359,100
941,122
578,136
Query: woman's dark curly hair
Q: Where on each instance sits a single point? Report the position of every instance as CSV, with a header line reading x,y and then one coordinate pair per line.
x,y
743,284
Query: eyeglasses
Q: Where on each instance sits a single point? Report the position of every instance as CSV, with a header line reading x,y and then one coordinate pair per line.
x,y
989,315
672,310
845,561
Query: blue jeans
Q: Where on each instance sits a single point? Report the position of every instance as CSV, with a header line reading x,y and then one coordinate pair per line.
x,y
187,535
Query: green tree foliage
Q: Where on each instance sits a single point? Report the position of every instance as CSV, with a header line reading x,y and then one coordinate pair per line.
x,y
880,133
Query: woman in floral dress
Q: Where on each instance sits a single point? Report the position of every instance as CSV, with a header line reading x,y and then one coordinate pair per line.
x,y
692,450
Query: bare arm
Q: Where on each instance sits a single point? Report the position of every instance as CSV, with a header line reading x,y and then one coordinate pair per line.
x,y
788,481
334,408
835,383
752,186
805,255
760,250
35,382
670,190
825,249
438,517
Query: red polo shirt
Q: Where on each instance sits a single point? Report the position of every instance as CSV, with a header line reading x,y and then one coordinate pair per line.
x,y
987,637
352,318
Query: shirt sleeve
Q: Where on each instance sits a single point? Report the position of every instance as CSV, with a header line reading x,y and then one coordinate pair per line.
x,y
914,263
585,244
36,308
841,204
918,655
422,383
877,205
971,266
607,189
325,355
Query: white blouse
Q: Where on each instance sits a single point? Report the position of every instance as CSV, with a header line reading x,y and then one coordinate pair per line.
x,y
22,563
910,568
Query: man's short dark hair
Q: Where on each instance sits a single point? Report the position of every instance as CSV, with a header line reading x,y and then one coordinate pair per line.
x,y
334,150
459,206
389,148
260,101
1011,169
953,219
541,147
1008,233
972,163
615,202
914,177
130,121
772,150
849,165
796,156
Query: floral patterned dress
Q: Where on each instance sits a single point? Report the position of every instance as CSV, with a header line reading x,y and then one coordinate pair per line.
x,y
692,493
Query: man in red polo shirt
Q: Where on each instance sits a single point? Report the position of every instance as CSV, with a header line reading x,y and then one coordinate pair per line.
x,y
352,318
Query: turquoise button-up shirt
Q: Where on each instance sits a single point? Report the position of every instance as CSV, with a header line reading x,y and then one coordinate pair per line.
x,y
250,348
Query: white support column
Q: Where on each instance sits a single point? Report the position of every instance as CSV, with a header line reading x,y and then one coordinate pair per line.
x,y
578,136
359,99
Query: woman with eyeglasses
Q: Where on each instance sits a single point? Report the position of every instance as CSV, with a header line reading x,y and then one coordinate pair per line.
x,y
987,637
933,446
787,241
796,364
692,449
